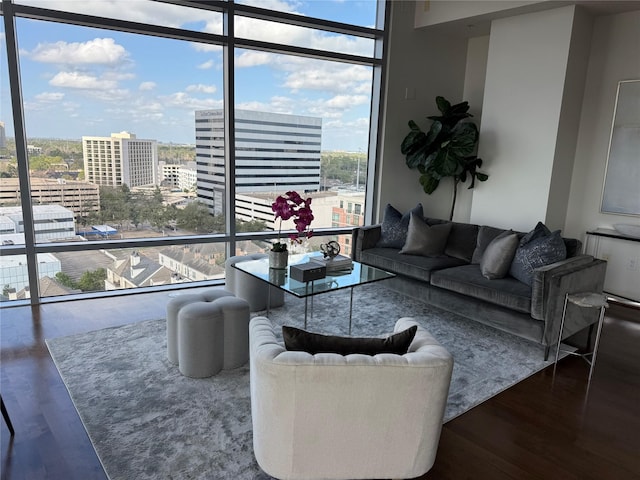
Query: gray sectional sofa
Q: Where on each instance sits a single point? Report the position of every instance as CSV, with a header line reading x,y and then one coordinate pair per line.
x,y
453,280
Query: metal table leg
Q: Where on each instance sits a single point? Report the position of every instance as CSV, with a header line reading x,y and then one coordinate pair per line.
x,y
350,309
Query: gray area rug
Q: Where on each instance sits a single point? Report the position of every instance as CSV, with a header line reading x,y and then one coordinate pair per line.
x,y
147,421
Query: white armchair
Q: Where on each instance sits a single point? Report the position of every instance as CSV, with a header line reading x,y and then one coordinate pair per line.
x,y
329,416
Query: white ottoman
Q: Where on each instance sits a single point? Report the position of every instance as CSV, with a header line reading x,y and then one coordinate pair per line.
x,y
207,332
249,288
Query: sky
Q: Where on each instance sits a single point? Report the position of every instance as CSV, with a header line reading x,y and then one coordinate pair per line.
x,y
81,81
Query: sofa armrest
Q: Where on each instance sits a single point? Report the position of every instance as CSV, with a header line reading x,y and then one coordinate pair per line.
x,y
542,279
364,238
582,278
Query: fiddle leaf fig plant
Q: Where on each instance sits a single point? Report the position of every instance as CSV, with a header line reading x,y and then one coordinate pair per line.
x,y
445,150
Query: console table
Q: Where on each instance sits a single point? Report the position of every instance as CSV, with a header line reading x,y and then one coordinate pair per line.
x,y
622,253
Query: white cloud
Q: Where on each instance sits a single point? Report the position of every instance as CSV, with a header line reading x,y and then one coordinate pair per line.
x,y
49,97
146,12
279,5
359,124
341,102
100,51
82,81
146,86
256,29
306,74
206,65
206,47
184,101
252,59
202,88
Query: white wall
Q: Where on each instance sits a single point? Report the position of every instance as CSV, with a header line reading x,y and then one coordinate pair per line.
x,y
474,81
615,56
457,73
424,65
523,99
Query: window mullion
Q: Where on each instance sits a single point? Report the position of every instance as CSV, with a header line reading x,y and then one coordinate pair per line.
x,y
229,128
21,149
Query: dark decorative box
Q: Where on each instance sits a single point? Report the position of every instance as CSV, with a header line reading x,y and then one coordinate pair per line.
x,y
307,272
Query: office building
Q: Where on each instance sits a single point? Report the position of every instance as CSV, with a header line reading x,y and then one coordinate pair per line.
x,y
51,222
274,153
13,269
178,175
120,159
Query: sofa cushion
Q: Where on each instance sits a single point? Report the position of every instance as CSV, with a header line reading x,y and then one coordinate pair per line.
x,y
485,235
468,280
413,266
423,239
299,340
537,249
395,225
498,256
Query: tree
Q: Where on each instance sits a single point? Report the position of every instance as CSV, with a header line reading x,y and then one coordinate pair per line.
x,y
92,281
154,209
115,204
446,150
196,217
251,226
66,280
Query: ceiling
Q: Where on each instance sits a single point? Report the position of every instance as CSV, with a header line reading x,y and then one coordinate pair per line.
x,y
481,25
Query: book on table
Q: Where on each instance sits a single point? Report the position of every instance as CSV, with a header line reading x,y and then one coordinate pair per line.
x,y
339,262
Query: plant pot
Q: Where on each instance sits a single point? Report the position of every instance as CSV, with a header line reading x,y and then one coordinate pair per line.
x,y
277,276
278,260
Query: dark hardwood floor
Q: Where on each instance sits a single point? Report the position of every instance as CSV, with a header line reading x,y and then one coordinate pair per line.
x,y
542,428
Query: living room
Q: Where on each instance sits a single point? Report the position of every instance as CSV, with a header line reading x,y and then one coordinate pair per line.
x,y
546,159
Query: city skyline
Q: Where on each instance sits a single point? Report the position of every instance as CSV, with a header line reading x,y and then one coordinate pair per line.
x,y
96,82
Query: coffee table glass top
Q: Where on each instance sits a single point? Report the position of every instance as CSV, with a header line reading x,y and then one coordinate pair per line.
x,y
360,274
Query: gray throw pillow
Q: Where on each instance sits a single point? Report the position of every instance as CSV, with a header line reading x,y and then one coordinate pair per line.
x,y
299,340
498,255
541,250
425,240
393,232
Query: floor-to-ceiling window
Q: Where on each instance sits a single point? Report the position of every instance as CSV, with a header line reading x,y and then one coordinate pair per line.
x,y
144,141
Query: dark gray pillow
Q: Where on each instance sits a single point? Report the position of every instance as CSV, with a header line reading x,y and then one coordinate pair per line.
x,y
462,241
485,236
498,255
299,340
540,230
425,240
539,251
393,231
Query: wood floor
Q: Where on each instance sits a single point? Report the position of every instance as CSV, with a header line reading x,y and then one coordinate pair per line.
x,y
545,427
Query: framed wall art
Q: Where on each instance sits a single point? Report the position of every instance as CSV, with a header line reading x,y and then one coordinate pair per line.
x,y
621,192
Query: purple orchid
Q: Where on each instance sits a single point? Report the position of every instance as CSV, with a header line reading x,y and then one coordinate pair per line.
x,y
292,205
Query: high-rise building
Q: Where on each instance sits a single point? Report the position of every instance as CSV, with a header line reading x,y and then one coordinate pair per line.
x,y
120,159
274,153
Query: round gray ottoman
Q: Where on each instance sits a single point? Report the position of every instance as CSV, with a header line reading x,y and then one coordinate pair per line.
x,y
207,332
249,288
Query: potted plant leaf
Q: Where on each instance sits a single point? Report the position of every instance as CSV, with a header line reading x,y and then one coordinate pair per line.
x,y
446,150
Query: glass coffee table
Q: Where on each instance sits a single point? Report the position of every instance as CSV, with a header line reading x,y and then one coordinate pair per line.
x,y
358,274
